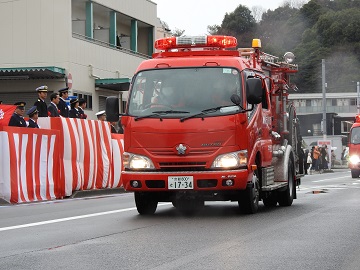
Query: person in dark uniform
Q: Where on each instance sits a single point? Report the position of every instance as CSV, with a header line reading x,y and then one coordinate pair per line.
x,y
17,119
53,110
74,113
33,117
63,107
40,103
120,130
82,106
112,126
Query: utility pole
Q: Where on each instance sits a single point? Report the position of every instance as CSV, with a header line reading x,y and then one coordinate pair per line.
x,y
323,82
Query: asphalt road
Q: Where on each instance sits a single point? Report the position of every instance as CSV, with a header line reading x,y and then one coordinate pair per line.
x,y
319,231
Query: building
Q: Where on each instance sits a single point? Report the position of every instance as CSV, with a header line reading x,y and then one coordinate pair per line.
x,y
341,109
93,47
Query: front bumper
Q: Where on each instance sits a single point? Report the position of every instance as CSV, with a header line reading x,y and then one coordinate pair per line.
x,y
203,180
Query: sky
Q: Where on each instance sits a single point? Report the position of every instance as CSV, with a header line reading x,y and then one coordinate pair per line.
x,y
194,16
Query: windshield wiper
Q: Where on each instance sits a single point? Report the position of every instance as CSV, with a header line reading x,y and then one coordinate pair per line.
x,y
206,111
159,113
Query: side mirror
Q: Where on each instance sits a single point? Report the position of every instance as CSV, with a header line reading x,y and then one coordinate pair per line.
x,y
112,109
254,91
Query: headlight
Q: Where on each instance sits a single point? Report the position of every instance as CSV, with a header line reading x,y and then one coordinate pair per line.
x,y
133,161
354,159
230,160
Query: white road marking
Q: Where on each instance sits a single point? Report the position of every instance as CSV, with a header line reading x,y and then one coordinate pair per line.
x,y
316,181
70,218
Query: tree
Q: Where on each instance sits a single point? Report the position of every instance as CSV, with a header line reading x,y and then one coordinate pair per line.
x,y
238,22
213,29
257,12
177,32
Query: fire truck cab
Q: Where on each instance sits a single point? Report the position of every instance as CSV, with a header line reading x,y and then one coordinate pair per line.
x,y
354,148
207,122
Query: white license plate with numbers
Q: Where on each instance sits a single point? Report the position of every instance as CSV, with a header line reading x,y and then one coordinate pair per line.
x,y
180,182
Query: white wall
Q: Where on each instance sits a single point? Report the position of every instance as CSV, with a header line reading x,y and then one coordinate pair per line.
x,y
34,32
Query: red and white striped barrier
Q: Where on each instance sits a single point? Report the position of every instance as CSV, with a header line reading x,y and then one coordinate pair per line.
x,y
28,166
85,150
64,155
116,168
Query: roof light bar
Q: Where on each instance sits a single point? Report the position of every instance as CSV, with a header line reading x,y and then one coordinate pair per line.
x,y
357,118
196,42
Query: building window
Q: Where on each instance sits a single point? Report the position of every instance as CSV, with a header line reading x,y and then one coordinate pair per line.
x,y
334,102
308,103
345,126
87,97
353,101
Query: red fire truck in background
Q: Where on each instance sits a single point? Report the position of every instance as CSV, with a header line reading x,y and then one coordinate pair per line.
x,y
354,148
207,122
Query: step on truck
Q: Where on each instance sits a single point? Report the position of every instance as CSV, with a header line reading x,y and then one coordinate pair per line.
x,y
205,121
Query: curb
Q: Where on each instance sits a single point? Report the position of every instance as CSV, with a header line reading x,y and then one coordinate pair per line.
x,y
4,202
96,192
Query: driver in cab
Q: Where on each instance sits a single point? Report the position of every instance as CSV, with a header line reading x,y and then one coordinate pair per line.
x,y
167,97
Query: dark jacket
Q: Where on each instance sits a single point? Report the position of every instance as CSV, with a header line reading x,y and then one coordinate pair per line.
x,y
41,107
32,124
63,107
82,113
17,121
54,112
74,113
113,129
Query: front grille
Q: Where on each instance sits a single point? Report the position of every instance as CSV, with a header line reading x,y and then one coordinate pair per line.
x,y
182,165
206,183
172,152
155,183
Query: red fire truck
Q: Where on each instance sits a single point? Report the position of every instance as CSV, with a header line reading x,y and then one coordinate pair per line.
x,y
207,122
354,148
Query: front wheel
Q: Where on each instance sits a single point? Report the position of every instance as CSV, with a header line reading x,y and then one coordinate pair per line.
x,y
355,173
286,197
146,204
249,200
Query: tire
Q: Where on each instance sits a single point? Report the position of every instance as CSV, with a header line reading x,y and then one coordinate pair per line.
x,y
286,197
146,204
355,173
249,198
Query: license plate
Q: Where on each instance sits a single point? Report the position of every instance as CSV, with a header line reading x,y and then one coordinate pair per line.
x,y
180,182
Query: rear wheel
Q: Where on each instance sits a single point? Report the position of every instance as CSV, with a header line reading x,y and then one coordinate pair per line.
x,y
146,204
355,173
286,197
249,200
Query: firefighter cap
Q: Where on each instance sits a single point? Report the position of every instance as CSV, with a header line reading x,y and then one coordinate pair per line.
x,y
74,101
32,111
100,113
65,89
42,88
20,104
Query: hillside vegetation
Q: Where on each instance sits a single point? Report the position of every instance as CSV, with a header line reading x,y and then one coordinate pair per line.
x,y
319,29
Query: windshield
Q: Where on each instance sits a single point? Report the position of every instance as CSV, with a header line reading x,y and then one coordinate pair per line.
x,y
355,135
178,93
